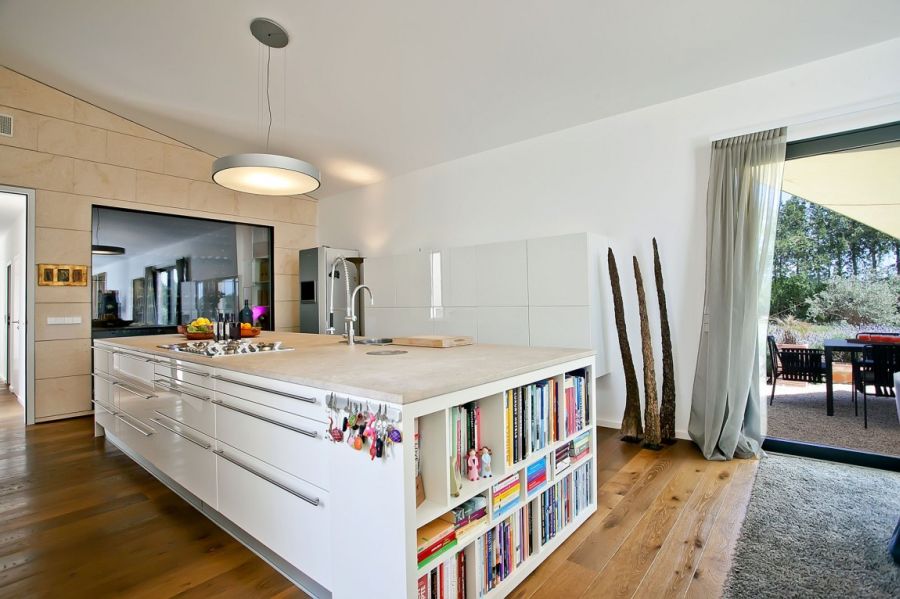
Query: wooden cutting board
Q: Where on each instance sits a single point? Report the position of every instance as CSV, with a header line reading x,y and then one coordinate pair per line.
x,y
433,341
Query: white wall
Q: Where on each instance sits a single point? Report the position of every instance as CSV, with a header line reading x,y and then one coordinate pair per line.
x,y
12,247
629,177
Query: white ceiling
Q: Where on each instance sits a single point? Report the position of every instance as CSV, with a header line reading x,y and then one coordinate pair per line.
x,y
863,184
377,89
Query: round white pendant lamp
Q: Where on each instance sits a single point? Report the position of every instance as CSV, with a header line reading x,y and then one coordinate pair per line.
x,y
264,173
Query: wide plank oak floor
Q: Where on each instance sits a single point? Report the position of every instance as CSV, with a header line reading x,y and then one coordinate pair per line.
x,y
78,518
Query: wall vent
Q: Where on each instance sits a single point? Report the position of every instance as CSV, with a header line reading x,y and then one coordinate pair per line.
x,y
6,125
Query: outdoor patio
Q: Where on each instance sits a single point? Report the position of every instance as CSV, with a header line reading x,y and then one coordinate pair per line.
x,y
798,413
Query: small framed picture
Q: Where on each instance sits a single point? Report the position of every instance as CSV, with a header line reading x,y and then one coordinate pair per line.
x,y
62,275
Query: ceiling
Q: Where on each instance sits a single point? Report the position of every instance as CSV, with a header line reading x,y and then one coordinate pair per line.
x,y
863,184
376,89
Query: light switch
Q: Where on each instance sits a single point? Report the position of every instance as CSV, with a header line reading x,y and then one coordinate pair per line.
x,y
56,320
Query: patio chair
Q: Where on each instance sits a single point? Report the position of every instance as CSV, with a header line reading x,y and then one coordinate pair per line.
x,y
795,364
876,368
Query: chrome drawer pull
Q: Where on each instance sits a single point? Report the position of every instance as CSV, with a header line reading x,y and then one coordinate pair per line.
x,y
132,391
223,455
102,407
202,444
188,370
121,418
104,377
179,388
313,434
258,388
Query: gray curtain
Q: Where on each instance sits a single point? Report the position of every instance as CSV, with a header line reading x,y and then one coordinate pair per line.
x,y
742,203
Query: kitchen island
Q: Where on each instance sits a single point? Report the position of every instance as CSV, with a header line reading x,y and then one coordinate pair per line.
x,y
257,443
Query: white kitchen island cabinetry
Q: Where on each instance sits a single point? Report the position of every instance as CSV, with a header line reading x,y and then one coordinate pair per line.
x,y
245,440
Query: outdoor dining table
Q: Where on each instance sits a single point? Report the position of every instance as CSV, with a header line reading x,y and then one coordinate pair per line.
x,y
842,345
831,346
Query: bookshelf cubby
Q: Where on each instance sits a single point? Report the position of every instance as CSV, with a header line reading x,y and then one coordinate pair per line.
x,y
569,422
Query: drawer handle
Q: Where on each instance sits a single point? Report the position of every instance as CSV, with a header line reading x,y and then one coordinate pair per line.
x,y
225,456
313,434
103,349
103,407
202,444
188,370
258,388
177,388
132,391
121,418
104,377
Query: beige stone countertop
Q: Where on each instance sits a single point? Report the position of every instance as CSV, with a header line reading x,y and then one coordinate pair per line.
x,y
323,362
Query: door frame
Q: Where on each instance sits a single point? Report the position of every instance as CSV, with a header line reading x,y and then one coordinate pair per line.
x,y
29,269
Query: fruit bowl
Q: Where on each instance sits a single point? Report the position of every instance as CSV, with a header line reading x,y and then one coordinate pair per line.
x,y
251,332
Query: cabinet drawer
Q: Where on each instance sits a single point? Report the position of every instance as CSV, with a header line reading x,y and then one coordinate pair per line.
x,y
282,513
287,397
133,366
102,357
185,403
185,456
185,372
291,443
133,398
104,415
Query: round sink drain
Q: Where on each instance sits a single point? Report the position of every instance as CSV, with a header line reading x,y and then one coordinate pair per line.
x,y
387,352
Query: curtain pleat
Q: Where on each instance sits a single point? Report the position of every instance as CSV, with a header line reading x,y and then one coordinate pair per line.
x,y
742,201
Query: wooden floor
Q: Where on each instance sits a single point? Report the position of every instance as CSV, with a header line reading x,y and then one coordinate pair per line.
x,y
78,518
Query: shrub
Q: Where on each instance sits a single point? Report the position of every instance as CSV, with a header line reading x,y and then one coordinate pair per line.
x,y
857,301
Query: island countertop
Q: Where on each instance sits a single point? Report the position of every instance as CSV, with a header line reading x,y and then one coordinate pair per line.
x,y
322,361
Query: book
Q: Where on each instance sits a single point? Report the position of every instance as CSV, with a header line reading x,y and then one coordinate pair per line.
x,y
432,532
440,551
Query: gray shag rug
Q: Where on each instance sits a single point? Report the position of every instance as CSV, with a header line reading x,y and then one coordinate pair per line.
x,y
802,417
817,529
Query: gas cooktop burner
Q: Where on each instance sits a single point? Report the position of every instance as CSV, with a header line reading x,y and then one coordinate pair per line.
x,y
216,349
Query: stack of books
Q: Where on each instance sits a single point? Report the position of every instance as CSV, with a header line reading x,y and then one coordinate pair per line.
x,y
503,548
536,475
505,494
580,446
578,411
434,539
556,508
465,434
447,581
583,487
468,516
562,459
532,419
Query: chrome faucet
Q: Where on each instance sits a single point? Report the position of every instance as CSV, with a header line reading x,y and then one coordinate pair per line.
x,y
330,330
351,317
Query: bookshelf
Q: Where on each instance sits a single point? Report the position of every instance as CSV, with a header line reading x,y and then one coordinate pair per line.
x,y
508,543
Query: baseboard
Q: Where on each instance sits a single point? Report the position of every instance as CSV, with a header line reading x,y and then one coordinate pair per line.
x,y
832,454
617,424
63,416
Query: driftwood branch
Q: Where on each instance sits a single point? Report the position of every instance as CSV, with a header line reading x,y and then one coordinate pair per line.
x,y
667,405
651,408
631,421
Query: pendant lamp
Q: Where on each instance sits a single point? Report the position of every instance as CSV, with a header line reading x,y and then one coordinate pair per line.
x,y
98,249
264,173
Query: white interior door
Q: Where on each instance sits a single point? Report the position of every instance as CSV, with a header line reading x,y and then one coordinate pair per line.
x,y
17,329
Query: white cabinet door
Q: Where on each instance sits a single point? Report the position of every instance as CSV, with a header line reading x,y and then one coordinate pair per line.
x,y
284,514
133,367
502,274
186,404
558,271
185,456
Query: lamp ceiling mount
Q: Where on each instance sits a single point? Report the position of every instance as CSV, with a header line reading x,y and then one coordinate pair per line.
x,y
269,33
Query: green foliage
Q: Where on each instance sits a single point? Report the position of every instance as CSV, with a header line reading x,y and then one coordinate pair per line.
x,y
857,301
793,330
813,245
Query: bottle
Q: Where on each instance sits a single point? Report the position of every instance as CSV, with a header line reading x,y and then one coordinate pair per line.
x,y
247,313
220,327
234,330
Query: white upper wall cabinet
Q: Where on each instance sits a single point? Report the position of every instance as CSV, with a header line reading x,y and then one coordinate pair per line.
x,y
540,292
502,274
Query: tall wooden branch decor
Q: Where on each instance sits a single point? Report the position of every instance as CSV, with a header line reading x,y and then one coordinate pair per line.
x,y
667,404
631,421
651,408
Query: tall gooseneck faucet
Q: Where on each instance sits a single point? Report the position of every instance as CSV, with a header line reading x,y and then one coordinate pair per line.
x,y
351,317
330,330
